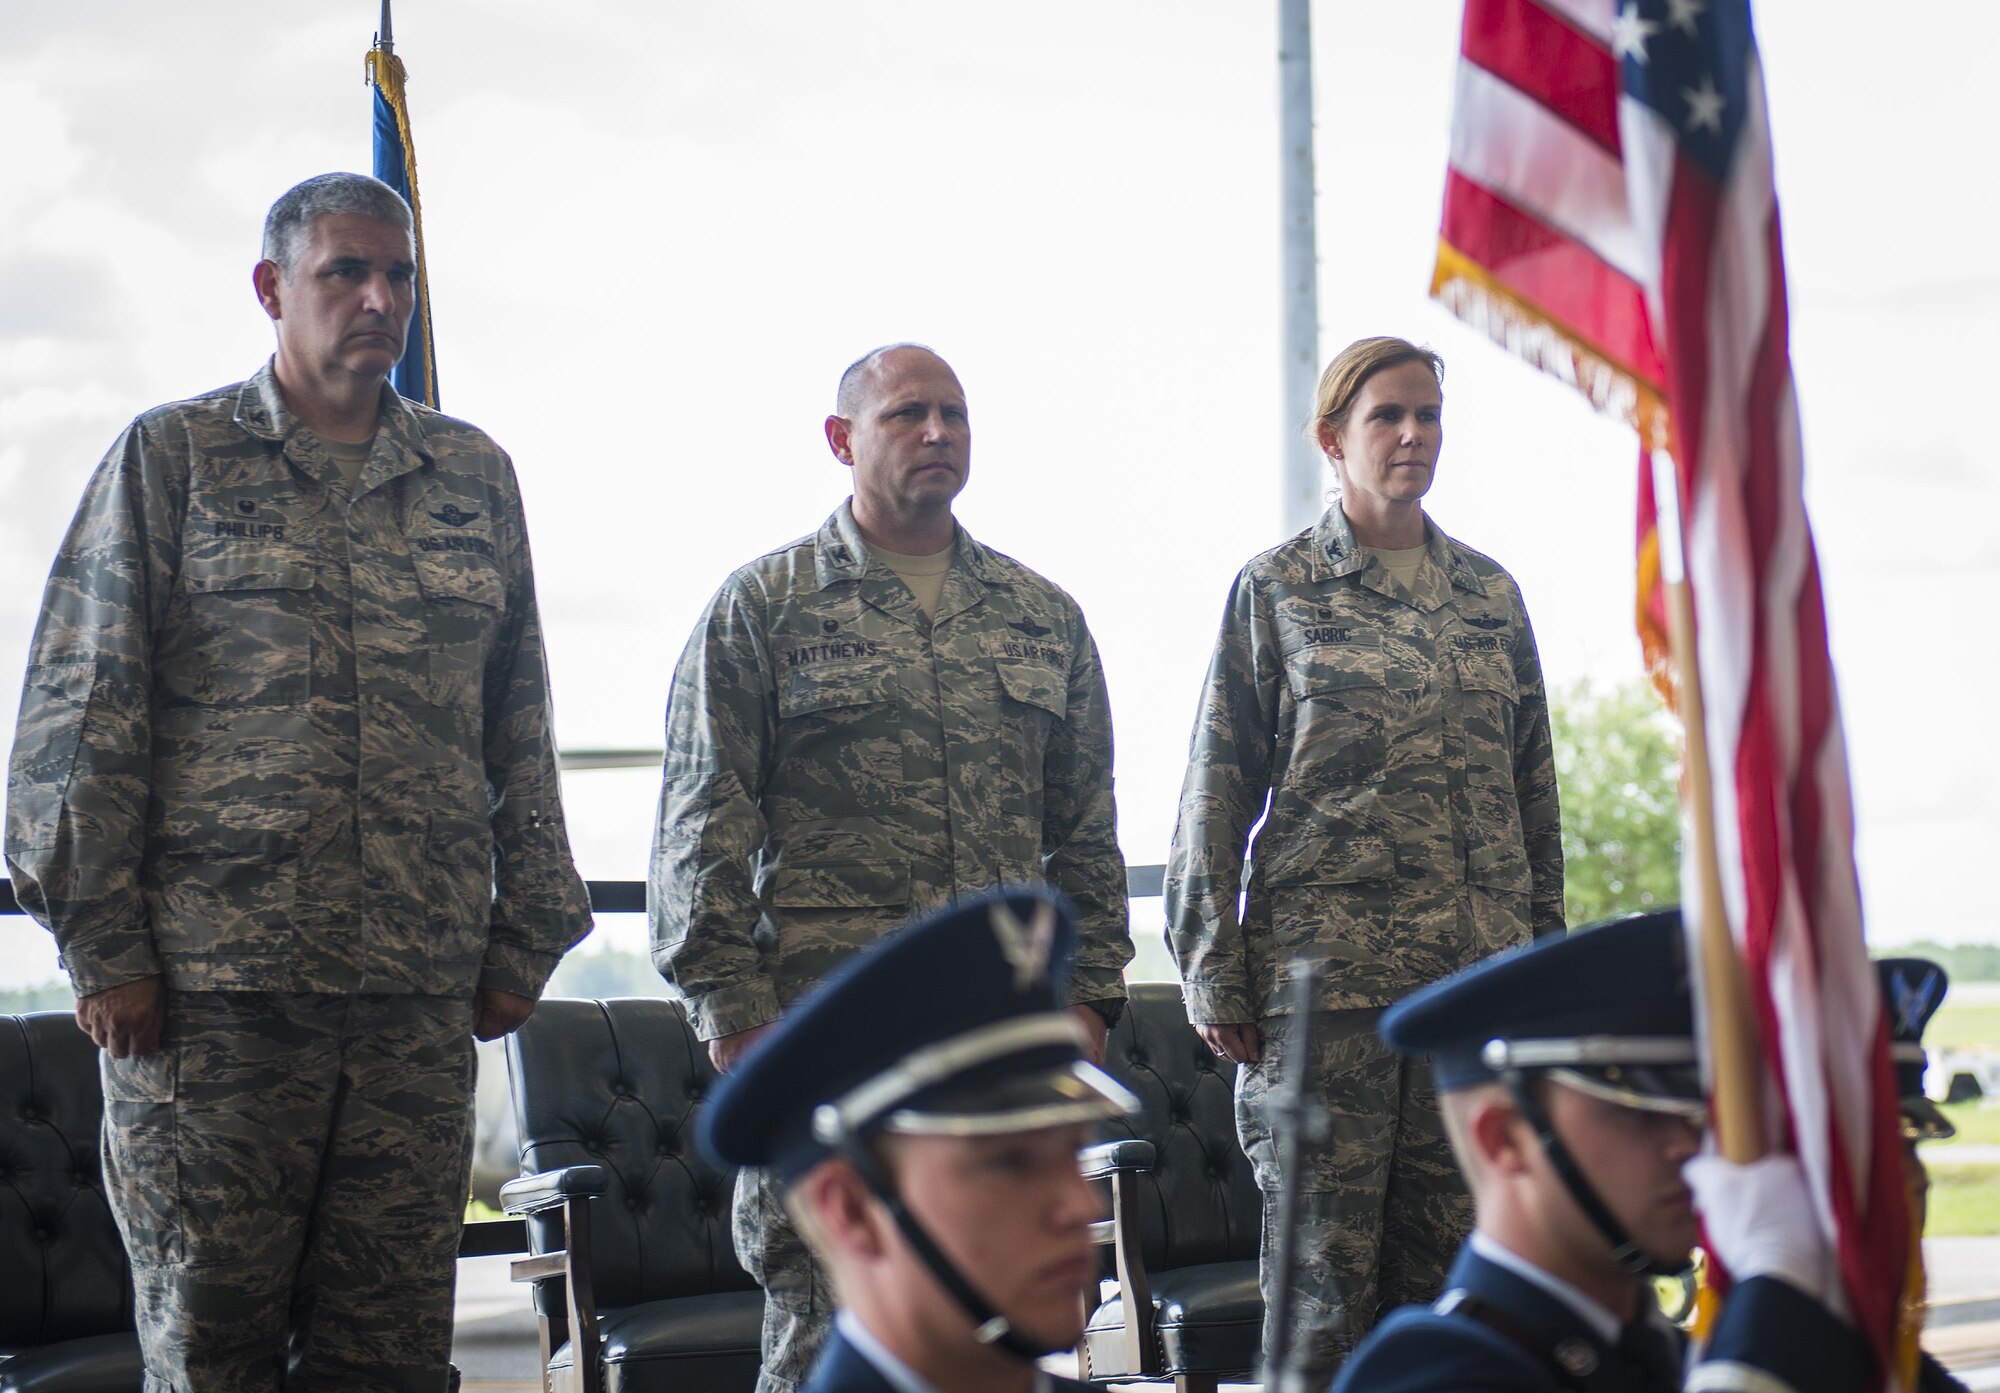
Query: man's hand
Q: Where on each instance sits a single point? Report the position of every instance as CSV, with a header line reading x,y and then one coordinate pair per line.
x,y
126,1019
1239,1043
725,1050
496,1013
1095,1028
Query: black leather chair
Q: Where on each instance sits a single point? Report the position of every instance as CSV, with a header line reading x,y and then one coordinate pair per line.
x,y
636,1285
66,1317
65,1286
1186,1220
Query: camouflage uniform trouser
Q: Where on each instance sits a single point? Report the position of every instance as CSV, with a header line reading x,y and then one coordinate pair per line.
x,y
289,1172
798,1301
1381,1208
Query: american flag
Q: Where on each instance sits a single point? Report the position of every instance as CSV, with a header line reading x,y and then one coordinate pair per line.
x,y
1610,215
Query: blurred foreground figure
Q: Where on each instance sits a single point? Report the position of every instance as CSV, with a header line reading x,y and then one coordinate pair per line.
x,y
867,723
1912,990
284,789
921,1114
1574,1104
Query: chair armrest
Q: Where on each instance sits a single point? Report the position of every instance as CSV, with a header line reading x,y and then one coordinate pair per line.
x,y
1122,1163
1129,1156
531,1194
487,1238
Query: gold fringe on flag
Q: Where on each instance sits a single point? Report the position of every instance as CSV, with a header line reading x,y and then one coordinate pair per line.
x,y
385,71
1649,608
1531,333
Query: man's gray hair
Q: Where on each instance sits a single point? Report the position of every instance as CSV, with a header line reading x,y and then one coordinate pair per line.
x,y
847,401
290,220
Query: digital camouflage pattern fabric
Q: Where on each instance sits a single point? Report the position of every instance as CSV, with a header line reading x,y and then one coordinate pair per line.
x,y
272,742
798,1296
835,764
348,1177
1395,741
1401,738
1381,1208
291,750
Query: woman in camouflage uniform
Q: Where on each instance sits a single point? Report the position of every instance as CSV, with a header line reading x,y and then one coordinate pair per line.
x,y
1375,685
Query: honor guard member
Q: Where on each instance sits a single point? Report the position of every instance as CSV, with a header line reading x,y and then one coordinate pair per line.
x,y
1912,990
284,789
922,1113
869,722
1573,1101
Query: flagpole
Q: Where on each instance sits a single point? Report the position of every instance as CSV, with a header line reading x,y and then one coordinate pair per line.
x,y
1301,493
1735,1081
385,39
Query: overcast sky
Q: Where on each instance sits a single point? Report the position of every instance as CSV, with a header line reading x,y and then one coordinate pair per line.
x,y
658,231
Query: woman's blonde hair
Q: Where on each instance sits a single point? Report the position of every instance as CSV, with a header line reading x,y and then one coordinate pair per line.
x,y
1354,365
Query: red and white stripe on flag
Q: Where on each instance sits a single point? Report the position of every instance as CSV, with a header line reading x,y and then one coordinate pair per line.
x,y
1610,215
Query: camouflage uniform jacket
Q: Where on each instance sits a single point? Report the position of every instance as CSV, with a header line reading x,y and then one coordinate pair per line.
x,y
1401,738
272,742
836,762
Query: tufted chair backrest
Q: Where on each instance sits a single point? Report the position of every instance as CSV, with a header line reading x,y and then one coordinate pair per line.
x,y
1200,1204
62,1264
618,1084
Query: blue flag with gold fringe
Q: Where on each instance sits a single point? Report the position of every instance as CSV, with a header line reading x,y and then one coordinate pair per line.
x,y
396,165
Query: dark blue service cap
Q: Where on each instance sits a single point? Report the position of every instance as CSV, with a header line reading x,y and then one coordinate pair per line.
x,y
954,1024
1606,1009
1912,990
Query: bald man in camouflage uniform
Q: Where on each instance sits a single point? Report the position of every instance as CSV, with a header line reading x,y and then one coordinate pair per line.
x,y
869,722
1395,724
284,790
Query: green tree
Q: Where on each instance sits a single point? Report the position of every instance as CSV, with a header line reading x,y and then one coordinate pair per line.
x,y
1962,962
1618,760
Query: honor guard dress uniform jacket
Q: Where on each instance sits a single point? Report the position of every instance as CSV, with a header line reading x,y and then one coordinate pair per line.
x,y
837,763
269,743
1401,738
1495,1331
843,1368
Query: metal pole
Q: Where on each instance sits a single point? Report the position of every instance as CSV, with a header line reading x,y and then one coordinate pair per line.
x,y
1302,498
386,39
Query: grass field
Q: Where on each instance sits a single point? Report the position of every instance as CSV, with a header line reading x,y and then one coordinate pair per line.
x,y
1965,1199
1978,1125
1965,1022
1965,1202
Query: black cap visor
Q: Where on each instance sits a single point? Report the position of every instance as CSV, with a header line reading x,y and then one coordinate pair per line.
x,y
1674,1089
1061,1094
1654,1073
1924,1120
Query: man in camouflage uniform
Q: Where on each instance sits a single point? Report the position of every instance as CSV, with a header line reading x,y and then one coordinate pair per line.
x,y
868,722
1383,696
284,791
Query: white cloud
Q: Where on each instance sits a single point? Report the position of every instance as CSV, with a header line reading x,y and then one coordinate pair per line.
x,y
659,231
